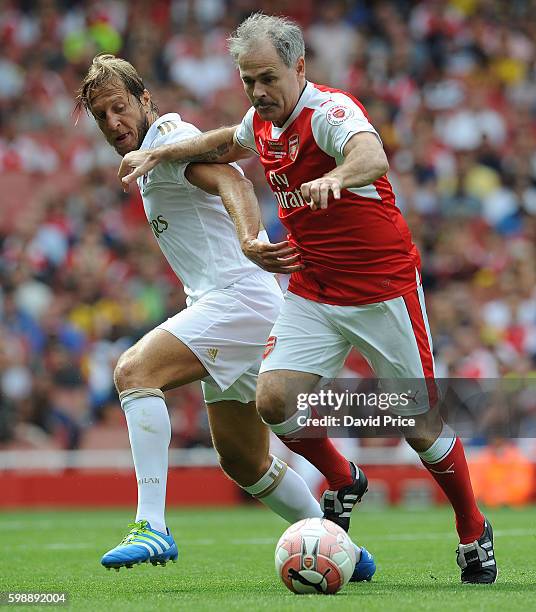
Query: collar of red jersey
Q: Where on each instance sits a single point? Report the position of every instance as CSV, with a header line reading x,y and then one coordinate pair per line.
x,y
300,104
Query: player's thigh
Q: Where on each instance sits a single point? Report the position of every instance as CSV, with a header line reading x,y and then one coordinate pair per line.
x,y
394,337
158,360
304,346
304,340
241,440
227,328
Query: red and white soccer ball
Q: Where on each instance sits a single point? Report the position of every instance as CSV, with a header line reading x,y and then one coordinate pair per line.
x,y
315,556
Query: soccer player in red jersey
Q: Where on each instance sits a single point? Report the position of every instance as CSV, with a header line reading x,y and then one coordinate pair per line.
x,y
357,277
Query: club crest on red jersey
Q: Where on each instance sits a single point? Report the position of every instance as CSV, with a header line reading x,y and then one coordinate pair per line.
x,y
270,345
337,115
293,146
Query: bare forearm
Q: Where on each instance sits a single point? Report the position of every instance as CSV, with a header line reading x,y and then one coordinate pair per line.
x,y
216,146
360,168
238,197
364,161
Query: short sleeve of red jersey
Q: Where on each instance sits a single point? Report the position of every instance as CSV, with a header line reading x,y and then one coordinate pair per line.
x,y
336,121
244,134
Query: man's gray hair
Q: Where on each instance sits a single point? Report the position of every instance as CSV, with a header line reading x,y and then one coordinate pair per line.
x,y
283,33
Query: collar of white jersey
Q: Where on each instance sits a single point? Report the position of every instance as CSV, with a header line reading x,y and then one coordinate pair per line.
x,y
153,132
300,105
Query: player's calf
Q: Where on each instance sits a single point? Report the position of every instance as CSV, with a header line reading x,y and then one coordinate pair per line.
x,y
242,443
277,394
244,468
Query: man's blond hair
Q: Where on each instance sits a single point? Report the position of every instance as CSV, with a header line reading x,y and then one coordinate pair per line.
x,y
108,69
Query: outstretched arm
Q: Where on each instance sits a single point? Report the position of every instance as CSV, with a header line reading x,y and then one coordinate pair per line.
x,y
364,162
238,197
217,146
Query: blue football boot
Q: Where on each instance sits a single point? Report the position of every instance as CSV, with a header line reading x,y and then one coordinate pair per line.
x,y
142,544
365,567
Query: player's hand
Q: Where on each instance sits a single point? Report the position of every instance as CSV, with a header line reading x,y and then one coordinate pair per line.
x,y
134,165
280,258
316,193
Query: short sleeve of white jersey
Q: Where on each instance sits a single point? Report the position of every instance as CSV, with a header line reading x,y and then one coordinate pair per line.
x,y
244,134
336,121
182,131
175,171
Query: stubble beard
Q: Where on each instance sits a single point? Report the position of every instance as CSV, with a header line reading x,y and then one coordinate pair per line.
x,y
143,128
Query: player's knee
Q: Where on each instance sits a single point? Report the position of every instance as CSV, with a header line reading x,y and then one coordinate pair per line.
x,y
425,432
127,372
271,404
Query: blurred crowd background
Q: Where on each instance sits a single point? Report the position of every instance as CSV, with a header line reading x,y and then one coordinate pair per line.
x,y
450,86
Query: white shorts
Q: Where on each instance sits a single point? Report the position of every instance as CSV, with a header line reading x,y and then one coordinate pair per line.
x,y
393,336
227,329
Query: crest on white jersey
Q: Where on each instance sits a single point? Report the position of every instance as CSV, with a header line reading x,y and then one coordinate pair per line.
x,y
293,146
339,114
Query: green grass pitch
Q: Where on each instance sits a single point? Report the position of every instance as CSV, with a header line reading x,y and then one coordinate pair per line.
x,y
226,562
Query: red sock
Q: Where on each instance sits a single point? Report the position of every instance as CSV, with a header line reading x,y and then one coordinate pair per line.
x,y
322,453
452,475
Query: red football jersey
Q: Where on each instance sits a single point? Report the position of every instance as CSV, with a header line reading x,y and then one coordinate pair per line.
x,y
357,251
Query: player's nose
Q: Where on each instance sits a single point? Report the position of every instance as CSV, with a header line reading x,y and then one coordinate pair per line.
x,y
258,92
112,121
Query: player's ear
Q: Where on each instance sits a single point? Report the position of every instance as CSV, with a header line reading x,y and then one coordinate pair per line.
x,y
300,66
146,99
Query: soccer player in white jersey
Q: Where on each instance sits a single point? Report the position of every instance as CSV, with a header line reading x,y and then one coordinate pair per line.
x,y
218,339
360,284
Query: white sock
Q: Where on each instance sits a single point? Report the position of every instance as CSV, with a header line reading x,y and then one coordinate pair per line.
x,y
441,447
285,492
149,431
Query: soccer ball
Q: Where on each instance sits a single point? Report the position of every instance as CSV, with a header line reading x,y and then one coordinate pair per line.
x,y
315,556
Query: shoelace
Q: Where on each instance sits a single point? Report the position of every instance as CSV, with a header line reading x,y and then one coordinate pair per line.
x,y
136,529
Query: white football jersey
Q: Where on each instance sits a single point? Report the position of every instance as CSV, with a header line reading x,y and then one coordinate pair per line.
x,y
192,227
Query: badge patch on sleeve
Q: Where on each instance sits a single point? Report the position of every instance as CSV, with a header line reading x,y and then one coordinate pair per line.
x,y
339,114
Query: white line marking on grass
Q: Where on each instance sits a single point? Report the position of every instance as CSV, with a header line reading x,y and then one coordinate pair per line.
x,y
54,546
39,524
254,541
445,534
67,546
